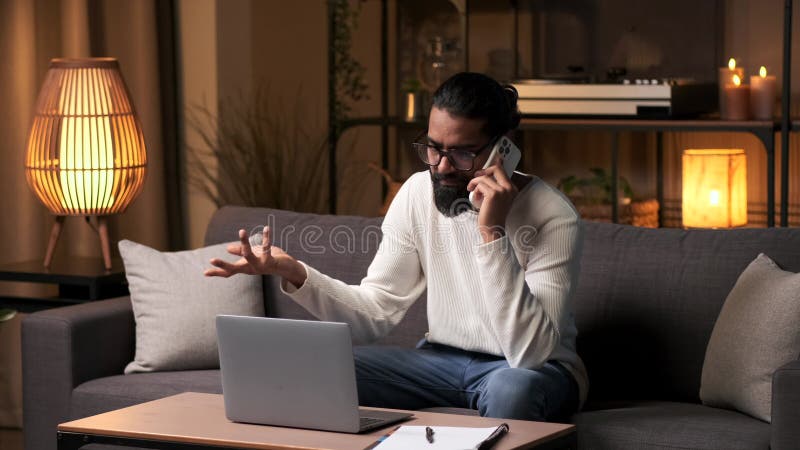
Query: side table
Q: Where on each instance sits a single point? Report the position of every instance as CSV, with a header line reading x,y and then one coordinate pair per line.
x,y
79,279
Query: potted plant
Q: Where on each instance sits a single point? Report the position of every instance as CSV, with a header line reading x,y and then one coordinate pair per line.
x,y
258,151
591,196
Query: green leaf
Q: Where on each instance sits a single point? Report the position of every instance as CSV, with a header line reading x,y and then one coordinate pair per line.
x,y
597,187
7,314
598,172
568,184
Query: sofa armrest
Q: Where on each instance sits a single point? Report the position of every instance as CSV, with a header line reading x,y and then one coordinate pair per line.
x,y
64,347
786,407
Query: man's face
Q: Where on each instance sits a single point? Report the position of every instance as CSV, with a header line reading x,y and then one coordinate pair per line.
x,y
448,133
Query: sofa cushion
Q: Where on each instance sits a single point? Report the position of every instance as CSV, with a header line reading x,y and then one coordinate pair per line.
x,y
339,246
120,391
647,300
174,305
667,425
757,332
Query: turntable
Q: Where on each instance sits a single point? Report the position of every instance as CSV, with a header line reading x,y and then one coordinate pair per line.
x,y
645,98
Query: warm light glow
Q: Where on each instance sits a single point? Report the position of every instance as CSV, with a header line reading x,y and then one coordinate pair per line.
x,y
86,153
762,72
736,80
411,106
714,188
731,64
713,197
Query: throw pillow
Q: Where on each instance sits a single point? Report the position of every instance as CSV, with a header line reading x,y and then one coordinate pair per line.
x,y
756,333
175,305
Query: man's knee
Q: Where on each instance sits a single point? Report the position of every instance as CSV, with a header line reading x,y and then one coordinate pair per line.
x,y
515,394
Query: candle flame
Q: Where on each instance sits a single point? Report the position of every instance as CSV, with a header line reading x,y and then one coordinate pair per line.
x,y
762,72
731,64
736,80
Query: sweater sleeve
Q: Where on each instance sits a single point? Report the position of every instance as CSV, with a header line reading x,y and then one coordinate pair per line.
x,y
393,282
528,305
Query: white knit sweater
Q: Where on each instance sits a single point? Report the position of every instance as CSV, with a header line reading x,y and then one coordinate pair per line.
x,y
484,297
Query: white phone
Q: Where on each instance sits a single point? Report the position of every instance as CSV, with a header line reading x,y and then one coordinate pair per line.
x,y
510,155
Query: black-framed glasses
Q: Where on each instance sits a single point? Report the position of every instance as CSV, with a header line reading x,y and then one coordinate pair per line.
x,y
460,159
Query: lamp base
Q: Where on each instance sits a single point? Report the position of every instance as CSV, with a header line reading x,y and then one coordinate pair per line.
x,y
102,231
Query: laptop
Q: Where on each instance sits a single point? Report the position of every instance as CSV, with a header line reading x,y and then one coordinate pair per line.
x,y
292,373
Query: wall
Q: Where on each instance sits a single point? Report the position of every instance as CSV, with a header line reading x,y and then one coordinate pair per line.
x,y
235,47
197,39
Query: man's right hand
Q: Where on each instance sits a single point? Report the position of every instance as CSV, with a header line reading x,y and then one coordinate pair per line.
x,y
271,260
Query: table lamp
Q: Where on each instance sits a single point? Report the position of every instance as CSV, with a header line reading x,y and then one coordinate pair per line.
x,y
86,153
714,188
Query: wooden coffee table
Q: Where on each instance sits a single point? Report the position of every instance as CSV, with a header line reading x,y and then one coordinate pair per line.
x,y
191,421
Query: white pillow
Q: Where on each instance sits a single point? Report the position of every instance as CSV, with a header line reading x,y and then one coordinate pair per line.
x,y
175,305
756,333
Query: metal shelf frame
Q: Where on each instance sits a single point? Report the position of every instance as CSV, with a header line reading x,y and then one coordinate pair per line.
x,y
763,130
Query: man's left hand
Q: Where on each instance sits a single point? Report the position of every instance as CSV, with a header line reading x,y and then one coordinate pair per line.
x,y
496,191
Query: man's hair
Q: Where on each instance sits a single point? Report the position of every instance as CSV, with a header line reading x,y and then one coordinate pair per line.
x,y
477,96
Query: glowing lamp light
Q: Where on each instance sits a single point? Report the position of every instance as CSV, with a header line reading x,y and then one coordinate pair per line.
x,y
713,197
86,153
714,188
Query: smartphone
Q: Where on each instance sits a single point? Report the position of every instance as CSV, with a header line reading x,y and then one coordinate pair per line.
x,y
509,154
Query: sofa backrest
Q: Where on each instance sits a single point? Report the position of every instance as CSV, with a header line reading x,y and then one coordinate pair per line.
x,y
645,304
647,301
339,246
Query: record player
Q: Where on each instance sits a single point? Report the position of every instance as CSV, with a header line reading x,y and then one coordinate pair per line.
x,y
643,98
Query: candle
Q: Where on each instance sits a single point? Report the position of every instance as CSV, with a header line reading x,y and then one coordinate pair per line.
x,y
725,78
737,100
763,90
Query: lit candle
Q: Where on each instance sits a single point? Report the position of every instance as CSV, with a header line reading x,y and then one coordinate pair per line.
x,y
725,78
737,100
763,90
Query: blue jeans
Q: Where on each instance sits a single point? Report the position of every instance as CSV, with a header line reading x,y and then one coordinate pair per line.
x,y
435,375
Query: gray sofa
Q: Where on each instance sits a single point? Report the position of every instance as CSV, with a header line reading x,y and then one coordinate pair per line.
x,y
646,304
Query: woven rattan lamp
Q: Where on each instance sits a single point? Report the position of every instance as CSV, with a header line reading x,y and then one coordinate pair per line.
x,y
86,154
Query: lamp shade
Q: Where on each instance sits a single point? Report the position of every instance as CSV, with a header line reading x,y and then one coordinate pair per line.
x,y
86,153
714,188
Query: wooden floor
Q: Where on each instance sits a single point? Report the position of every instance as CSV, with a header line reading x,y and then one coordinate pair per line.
x,y
10,439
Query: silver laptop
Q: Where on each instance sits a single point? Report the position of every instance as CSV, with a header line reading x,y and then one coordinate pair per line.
x,y
293,373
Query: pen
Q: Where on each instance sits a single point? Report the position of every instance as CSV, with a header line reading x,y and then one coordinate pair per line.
x,y
429,434
494,437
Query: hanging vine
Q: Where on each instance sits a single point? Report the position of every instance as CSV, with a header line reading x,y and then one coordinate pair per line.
x,y
348,72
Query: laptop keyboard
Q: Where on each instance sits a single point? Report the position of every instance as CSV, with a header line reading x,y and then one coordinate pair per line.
x,y
365,422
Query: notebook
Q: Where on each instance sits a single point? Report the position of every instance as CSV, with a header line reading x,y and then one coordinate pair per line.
x,y
442,438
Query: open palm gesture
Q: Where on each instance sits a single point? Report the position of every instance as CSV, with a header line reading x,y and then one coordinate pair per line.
x,y
265,259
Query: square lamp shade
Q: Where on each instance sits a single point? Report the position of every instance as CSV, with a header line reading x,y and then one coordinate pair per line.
x,y
714,188
86,153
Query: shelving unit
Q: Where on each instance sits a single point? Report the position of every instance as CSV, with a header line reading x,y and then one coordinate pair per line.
x,y
763,130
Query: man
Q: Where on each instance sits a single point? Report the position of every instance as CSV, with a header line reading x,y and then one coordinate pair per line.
x,y
499,280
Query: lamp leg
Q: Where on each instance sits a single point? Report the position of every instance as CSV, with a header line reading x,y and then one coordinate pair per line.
x,y
55,232
102,230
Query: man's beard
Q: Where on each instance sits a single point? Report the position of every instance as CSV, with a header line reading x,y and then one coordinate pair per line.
x,y
450,200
